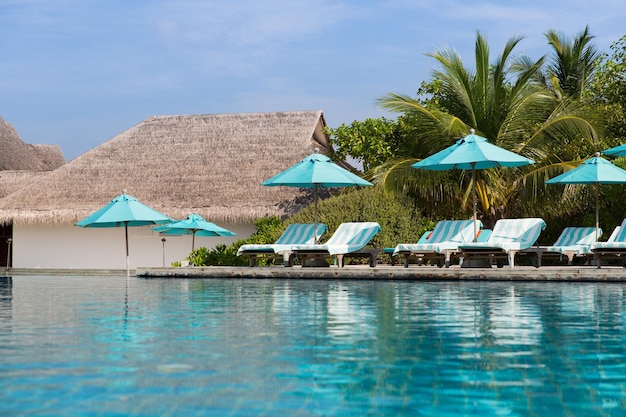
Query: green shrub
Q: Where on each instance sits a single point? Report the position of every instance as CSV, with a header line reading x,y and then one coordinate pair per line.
x,y
220,255
396,215
397,218
268,230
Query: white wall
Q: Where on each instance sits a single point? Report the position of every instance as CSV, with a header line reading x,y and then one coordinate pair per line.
x,y
70,247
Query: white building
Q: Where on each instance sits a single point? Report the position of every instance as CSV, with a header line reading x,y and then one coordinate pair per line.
x,y
211,165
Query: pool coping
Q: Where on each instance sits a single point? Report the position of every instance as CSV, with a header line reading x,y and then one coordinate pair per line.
x,y
571,273
355,272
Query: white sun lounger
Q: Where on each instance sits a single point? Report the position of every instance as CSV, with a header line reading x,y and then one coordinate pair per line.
x,y
297,233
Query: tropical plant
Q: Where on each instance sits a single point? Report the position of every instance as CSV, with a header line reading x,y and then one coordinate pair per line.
x,y
503,102
573,63
607,91
370,142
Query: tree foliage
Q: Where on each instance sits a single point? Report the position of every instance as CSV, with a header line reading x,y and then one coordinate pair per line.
x,y
573,63
504,102
607,91
371,142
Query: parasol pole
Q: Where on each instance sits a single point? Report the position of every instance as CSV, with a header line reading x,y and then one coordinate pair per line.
x,y
597,210
127,257
475,198
315,214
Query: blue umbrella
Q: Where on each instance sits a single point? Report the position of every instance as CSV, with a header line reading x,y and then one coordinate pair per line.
x,y
596,170
126,211
472,152
193,225
616,151
316,171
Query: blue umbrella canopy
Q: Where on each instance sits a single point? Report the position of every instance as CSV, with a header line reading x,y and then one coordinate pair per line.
x,y
616,151
472,152
193,225
316,171
124,210
596,170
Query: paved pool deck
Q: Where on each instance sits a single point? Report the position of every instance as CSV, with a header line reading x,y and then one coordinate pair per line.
x,y
357,272
387,272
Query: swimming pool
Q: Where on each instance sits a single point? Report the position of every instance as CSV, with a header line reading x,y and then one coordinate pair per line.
x,y
108,346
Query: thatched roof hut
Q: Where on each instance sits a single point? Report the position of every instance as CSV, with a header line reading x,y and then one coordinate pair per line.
x,y
16,155
12,181
209,164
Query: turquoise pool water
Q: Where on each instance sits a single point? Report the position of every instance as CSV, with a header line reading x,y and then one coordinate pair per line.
x,y
108,346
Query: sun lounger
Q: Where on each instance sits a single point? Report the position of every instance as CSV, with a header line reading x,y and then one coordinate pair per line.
x,y
573,242
294,234
614,248
423,239
348,240
509,236
442,243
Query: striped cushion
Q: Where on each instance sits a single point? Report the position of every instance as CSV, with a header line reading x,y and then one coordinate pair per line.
x,y
296,233
447,234
577,239
617,240
349,237
577,236
511,234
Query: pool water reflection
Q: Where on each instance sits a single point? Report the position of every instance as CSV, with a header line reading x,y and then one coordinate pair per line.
x,y
108,346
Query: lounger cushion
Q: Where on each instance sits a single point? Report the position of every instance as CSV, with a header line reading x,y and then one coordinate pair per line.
x,y
511,234
447,234
296,233
349,237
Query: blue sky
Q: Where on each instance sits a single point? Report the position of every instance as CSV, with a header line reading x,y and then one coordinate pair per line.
x,y
78,72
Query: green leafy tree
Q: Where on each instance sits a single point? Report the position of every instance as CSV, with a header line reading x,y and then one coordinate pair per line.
x,y
607,91
371,141
503,102
573,63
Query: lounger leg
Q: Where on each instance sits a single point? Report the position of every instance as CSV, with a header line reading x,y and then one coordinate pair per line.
x,y
251,260
406,261
289,258
512,259
448,256
340,260
597,256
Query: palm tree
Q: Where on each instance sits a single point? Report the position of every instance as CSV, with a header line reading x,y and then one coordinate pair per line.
x,y
572,66
503,102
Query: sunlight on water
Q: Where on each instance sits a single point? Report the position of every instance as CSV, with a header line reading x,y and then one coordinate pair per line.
x,y
108,346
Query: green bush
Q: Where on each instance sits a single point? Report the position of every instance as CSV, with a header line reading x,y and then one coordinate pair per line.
x,y
268,230
398,220
220,255
397,217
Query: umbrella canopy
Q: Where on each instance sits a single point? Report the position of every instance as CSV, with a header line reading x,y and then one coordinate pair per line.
x,y
472,152
616,151
596,170
315,171
193,225
124,210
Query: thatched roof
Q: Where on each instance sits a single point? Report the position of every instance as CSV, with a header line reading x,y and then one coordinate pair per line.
x,y
16,155
12,181
209,164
